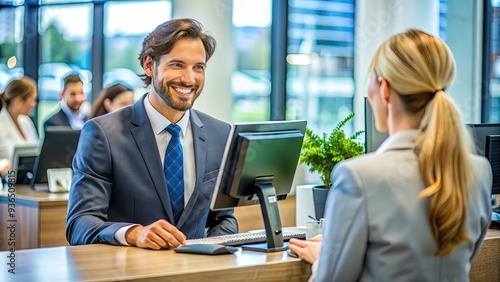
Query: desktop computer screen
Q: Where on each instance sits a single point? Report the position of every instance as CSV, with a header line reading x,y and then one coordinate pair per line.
x,y
57,151
23,160
487,139
258,167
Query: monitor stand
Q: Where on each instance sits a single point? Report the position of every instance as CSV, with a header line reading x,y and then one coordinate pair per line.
x,y
272,222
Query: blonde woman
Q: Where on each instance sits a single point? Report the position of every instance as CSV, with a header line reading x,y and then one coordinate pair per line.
x,y
418,208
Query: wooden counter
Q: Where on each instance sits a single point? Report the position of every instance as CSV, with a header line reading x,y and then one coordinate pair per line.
x,y
486,266
112,263
40,219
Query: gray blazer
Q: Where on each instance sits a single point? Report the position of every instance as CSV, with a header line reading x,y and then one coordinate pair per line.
x,y
378,230
118,178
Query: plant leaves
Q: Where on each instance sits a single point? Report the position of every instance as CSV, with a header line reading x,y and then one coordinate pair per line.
x,y
322,153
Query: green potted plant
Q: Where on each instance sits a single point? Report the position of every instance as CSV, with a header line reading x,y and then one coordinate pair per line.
x,y
322,153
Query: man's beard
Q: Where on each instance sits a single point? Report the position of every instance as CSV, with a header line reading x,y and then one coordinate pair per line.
x,y
180,104
73,107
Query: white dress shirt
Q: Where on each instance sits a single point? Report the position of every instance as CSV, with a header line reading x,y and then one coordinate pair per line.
x,y
159,123
10,135
76,120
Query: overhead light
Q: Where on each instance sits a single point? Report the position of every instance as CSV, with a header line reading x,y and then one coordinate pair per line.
x,y
12,62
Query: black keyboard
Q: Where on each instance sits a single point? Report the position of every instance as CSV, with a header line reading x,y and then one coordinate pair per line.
x,y
244,238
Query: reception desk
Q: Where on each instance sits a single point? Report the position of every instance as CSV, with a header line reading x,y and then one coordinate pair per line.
x,y
112,263
38,218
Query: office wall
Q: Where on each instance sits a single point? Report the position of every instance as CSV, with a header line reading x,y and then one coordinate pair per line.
x,y
376,21
216,16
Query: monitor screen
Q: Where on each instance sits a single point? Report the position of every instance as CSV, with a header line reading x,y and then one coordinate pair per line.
x,y
492,153
485,137
258,167
23,160
57,151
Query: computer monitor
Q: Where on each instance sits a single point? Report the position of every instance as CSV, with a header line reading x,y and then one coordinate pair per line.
x,y
487,140
57,151
23,160
258,167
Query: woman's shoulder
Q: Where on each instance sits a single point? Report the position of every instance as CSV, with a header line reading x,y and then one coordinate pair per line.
x,y
479,163
481,168
25,121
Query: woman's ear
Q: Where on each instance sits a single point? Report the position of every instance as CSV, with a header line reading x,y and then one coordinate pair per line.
x,y
17,101
107,105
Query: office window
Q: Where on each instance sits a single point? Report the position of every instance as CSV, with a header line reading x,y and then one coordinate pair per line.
x,y
320,77
443,18
491,69
66,40
11,2
60,39
60,1
124,31
11,34
251,82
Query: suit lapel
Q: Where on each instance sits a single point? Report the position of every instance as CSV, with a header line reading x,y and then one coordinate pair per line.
x,y
146,143
63,118
200,152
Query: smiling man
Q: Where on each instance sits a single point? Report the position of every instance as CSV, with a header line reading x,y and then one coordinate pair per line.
x,y
144,175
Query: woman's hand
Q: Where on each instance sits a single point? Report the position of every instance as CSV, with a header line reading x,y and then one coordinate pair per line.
x,y
306,250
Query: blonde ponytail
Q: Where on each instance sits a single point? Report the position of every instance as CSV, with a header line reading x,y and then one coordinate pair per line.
x,y
442,148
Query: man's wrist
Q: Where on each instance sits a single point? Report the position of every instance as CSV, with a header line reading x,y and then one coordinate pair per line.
x,y
120,234
131,235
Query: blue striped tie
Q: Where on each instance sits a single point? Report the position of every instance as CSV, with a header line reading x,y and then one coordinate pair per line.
x,y
174,172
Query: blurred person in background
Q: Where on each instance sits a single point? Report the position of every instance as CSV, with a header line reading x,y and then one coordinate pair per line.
x,y
112,98
16,127
72,98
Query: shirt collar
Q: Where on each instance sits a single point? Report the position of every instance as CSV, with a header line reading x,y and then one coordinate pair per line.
x,y
160,122
399,141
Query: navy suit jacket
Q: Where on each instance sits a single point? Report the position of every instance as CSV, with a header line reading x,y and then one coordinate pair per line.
x,y
58,119
118,178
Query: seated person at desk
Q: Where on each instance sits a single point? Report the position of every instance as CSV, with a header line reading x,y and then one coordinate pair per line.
x,y
72,98
112,98
16,127
418,208
128,187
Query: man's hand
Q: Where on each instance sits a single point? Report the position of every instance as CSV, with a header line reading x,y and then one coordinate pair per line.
x,y
158,235
306,250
